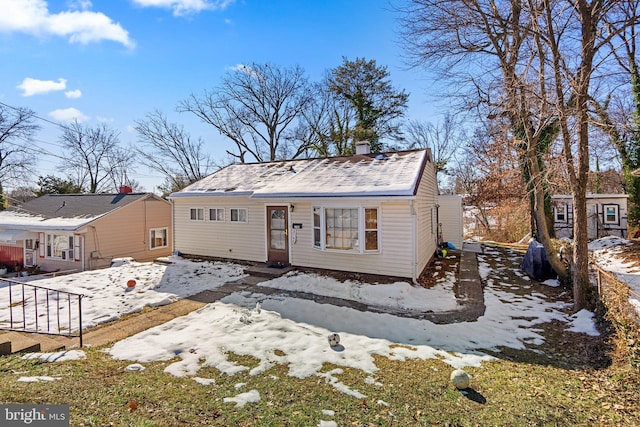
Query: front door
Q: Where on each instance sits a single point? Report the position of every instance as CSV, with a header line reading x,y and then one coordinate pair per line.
x,y
277,233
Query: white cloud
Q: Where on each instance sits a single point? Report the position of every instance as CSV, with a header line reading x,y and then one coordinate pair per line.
x,y
80,4
73,93
69,115
102,119
32,87
185,7
79,26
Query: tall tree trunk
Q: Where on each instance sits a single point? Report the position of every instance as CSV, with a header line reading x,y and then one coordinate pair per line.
x,y
542,225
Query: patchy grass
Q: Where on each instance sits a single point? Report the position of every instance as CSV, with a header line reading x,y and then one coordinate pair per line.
x,y
403,393
567,380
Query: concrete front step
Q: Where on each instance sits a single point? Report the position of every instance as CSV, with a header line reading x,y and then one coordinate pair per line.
x,y
271,272
13,342
17,342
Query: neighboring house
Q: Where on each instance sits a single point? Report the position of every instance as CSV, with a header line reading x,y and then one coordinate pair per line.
x,y
451,219
367,213
606,215
85,231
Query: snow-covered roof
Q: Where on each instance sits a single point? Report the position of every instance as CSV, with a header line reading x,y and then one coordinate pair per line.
x,y
63,211
390,174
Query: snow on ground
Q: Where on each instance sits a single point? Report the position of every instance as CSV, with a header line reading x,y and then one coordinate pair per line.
x,y
286,330
281,329
107,297
59,356
399,295
605,253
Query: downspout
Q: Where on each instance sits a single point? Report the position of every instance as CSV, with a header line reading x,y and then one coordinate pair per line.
x,y
173,227
414,243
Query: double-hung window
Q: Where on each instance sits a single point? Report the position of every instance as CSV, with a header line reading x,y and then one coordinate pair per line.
x,y
238,215
346,228
196,214
216,214
611,214
59,246
561,213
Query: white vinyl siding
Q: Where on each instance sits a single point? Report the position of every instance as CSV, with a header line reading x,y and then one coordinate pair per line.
x,y
450,215
221,239
424,203
393,258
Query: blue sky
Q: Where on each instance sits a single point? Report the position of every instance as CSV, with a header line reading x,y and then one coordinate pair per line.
x,y
115,61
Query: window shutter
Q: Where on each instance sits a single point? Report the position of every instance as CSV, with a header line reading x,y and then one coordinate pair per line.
x,y
76,247
42,245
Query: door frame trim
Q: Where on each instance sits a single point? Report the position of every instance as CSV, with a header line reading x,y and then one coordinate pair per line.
x,y
266,229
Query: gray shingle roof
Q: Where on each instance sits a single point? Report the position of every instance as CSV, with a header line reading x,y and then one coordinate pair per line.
x,y
76,205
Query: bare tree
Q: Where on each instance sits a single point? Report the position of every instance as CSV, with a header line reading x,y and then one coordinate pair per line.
x,y
255,106
487,48
168,149
17,129
443,139
327,123
94,156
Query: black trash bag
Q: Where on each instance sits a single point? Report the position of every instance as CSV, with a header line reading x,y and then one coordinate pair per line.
x,y
536,264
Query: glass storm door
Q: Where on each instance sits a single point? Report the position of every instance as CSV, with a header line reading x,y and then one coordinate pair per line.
x,y
277,233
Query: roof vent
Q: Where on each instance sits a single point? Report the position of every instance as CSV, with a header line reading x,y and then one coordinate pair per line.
x,y
363,147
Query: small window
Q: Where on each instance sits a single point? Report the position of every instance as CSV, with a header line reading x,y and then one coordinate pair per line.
x,y
158,237
316,228
197,214
370,229
216,214
561,213
238,215
610,214
28,244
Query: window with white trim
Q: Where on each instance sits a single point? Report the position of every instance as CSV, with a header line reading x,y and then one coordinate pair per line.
x,y
344,228
158,237
611,214
196,214
216,214
60,246
560,213
238,215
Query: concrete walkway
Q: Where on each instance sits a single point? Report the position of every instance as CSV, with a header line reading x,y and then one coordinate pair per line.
x,y
468,294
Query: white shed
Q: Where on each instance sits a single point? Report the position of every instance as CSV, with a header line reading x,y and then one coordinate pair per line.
x,y
450,219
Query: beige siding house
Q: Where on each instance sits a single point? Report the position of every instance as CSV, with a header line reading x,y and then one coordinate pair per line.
x,y
367,213
85,231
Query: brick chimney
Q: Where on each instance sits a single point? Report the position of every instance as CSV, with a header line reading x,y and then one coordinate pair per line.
x,y
363,147
125,189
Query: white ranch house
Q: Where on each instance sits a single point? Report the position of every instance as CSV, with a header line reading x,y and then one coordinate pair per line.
x,y
367,213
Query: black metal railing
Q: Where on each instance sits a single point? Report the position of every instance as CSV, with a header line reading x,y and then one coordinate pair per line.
x,y
38,309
